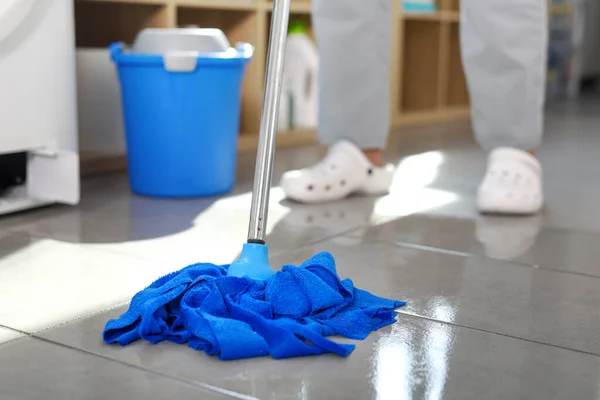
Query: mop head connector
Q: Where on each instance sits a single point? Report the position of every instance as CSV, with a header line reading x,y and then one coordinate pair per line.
x,y
253,263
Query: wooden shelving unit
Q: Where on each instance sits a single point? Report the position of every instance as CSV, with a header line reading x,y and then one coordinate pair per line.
x,y
427,77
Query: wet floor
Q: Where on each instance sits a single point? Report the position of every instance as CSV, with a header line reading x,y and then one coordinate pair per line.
x,y
498,308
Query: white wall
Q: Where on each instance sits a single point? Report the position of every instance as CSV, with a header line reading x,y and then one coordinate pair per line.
x,y
99,104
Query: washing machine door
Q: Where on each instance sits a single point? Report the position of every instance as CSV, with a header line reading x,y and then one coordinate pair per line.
x,y
12,14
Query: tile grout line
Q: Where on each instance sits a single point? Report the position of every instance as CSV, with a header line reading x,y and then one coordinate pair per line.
x,y
141,257
323,240
550,227
35,333
82,317
292,250
400,312
469,255
13,330
192,383
10,329
246,397
114,252
434,250
422,317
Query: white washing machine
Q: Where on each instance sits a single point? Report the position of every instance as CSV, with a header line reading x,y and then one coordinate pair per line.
x,y
38,114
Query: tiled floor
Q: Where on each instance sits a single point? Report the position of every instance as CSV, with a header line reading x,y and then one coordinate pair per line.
x,y
498,308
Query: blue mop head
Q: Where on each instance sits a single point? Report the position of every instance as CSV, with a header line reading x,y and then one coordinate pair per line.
x,y
287,315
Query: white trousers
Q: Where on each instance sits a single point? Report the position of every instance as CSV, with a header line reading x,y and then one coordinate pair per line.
x,y
504,47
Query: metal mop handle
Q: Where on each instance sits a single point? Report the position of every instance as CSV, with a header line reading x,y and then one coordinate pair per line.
x,y
268,124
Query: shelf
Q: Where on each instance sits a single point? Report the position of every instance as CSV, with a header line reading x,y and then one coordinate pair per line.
x,y
420,79
298,7
294,16
219,4
427,76
142,2
450,16
100,23
248,142
450,5
239,26
299,10
431,117
457,94
447,10
211,4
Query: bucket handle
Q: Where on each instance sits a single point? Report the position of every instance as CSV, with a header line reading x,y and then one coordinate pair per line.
x,y
115,50
245,50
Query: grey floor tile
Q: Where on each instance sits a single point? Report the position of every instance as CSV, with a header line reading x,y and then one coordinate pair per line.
x,y
110,213
497,296
32,369
519,239
518,299
512,299
47,282
179,232
414,358
6,335
446,158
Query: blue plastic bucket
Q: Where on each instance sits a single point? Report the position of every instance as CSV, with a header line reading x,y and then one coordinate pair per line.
x,y
182,116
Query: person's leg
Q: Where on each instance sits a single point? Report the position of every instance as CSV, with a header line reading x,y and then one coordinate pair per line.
x,y
504,52
354,41
354,38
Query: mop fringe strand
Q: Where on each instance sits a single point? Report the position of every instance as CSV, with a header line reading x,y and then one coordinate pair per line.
x,y
289,315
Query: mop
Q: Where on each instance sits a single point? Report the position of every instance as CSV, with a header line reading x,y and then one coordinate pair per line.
x,y
245,309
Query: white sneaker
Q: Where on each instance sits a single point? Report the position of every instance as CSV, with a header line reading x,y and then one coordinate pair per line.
x,y
512,183
344,171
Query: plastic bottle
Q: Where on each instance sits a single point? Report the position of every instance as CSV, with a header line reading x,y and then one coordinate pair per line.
x,y
299,98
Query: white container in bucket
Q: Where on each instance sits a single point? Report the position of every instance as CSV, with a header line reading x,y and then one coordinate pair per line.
x,y
165,40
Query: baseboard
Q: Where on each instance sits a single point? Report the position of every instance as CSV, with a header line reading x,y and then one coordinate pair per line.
x,y
95,164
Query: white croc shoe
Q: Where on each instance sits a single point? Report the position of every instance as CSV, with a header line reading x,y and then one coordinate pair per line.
x,y
512,184
344,171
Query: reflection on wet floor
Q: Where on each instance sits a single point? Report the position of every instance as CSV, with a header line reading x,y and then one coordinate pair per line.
x,y
497,307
